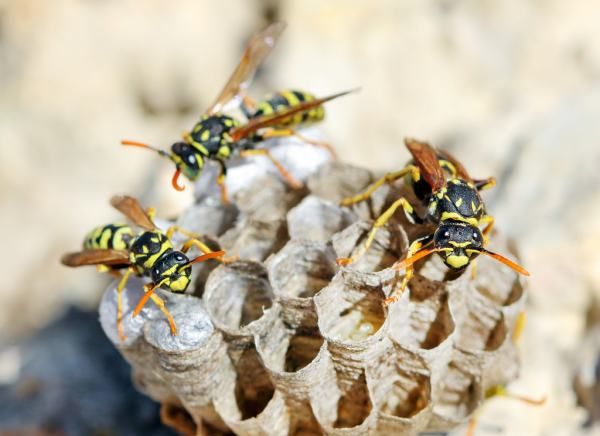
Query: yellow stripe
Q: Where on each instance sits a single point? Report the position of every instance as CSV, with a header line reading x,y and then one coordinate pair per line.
x,y
454,216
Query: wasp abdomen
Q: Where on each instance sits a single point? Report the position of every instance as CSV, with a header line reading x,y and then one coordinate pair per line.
x,y
109,236
286,99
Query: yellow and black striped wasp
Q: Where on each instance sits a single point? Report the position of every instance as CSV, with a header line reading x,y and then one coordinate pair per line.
x,y
150,253
218,136
453,204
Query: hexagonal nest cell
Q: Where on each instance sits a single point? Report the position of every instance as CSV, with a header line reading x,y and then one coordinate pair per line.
x,y
285,341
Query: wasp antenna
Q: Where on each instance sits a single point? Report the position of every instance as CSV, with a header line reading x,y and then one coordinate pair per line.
x,y
146,296
207,256
175,180
514,266
129,143
415,257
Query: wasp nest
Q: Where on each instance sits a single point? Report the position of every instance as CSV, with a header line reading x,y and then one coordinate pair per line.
x,y
283,341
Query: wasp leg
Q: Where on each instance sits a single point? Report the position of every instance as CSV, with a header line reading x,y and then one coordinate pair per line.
x,y
483,184
273,133
388,178
379,222
291,180
120,288
151,212
489,221
414,247
187,137
161,305
221,182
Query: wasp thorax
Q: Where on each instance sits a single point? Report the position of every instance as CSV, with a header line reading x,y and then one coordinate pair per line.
x,y
458,200
187,159
458,243
172,267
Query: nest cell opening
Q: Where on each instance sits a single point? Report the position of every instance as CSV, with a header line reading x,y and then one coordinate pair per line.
x,y
350,314
285,349
301,269
354,404
407,396
240,295
253,387
425,320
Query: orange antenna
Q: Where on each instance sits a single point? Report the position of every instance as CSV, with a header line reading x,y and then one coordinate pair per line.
x,y
415,257
129,143
146,296
207,256
175,180
516,267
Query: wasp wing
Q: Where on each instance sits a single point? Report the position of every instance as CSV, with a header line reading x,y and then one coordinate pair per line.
x,y
461,171
132,209
257,49
276,118
96,257
426,158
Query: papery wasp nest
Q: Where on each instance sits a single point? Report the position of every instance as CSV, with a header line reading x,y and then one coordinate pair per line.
x,y
328,315
286,341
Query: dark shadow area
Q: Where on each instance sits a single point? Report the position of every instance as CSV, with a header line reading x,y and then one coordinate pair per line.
x,y
74,382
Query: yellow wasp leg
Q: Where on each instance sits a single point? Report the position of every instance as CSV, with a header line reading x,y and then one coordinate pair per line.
x,y
161,305
176,229
291,180
223,188
488,183
187,137
415,246
388,178
489,221
379,222
151,212
120,288
272,133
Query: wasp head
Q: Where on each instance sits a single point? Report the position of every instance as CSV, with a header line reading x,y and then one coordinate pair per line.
x,y
173,271
458,243
187,159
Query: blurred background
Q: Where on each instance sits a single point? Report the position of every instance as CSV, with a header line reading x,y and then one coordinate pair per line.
x,y
512,88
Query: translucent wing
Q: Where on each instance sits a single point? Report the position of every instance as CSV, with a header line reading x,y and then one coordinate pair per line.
x,y
133,210
461,171
274,119
96,257
257,49
426,158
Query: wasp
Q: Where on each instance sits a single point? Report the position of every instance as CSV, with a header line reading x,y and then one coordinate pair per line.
x,y
217,136
150,253
453,204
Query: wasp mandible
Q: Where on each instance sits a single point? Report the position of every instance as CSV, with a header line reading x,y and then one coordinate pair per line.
x,y
453,205
150,253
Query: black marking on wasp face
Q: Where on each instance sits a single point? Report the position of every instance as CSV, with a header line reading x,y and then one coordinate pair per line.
x,y
188,159
457,201
169,266
459,243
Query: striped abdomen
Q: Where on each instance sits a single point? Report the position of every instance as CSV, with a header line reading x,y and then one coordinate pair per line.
x,y
286,99
110,236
